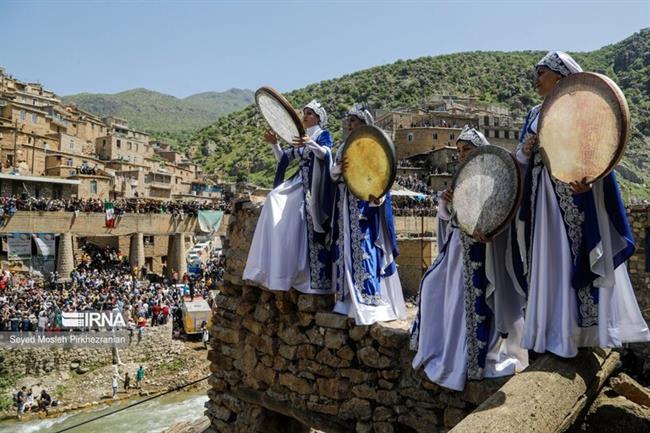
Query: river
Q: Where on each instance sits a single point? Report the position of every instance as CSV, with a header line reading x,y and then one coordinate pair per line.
x,y
151,417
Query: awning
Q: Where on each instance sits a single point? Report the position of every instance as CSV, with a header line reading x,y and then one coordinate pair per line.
x,y
21,178
400,191
210,220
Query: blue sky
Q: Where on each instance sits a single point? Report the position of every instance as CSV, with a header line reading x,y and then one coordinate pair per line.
x,y
182,48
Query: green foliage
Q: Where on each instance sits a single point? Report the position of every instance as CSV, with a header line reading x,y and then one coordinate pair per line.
x,y
165,117
59,391
174,365
233,145
7,391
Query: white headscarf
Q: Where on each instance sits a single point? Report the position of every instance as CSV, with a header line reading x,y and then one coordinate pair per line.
x,y
560,62
360,111
320,112
473,136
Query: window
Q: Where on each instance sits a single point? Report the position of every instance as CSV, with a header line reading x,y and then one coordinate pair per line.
x,y
71,144
517,135
119,143
435,135
496,121
68,162
486,120
410,137
22,115
34,118
130,145
103,143
148,240
451,136
93,187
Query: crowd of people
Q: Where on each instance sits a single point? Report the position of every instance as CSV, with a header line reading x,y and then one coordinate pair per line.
x,y
414,183
410,206
25,401
103,281
10,205
86,169
423,205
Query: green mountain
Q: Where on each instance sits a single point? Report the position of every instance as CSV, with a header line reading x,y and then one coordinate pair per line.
x,y
233,145
164,116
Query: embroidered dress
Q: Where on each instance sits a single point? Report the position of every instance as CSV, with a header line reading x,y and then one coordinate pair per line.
x,y
470,309
574,248
288,247
455,331
364,276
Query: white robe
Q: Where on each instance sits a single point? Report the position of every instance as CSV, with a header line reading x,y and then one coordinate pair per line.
x,y
279,255
442,338
552,309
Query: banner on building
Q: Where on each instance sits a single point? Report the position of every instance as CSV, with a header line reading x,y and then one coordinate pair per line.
x,y
45,244
44,262
19,246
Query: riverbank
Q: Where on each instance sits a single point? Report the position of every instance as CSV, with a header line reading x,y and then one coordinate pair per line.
x,y
183,363
153,416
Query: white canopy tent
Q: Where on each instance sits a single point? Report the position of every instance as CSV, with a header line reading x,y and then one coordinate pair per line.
x,y
400,191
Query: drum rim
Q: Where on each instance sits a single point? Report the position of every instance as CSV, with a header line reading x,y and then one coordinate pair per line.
x,y
279,97
506,156
386,144
623,114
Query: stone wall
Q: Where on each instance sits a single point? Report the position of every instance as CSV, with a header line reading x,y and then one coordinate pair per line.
x,y
284,362
414,225
639,269
93,224
415,256
639,264
17,362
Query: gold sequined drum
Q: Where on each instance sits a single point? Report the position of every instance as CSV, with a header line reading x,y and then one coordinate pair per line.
x,y
371,162
487,191
584,127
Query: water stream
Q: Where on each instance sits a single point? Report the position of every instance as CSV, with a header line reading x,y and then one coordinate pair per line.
x,y
151,417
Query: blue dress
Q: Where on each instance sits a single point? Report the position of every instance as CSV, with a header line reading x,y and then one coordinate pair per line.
x,y
365,277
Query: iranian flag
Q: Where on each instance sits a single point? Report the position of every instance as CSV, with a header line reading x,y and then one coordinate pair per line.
x,y
110,214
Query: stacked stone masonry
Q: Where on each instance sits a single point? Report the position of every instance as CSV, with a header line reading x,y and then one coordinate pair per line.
x,y
639,268
283,362
639,217
18,362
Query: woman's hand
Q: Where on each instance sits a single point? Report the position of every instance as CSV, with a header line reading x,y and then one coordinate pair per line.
x,y
580,186
344,164
531,141
479,236
448,195
270,137
374,200
301,141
